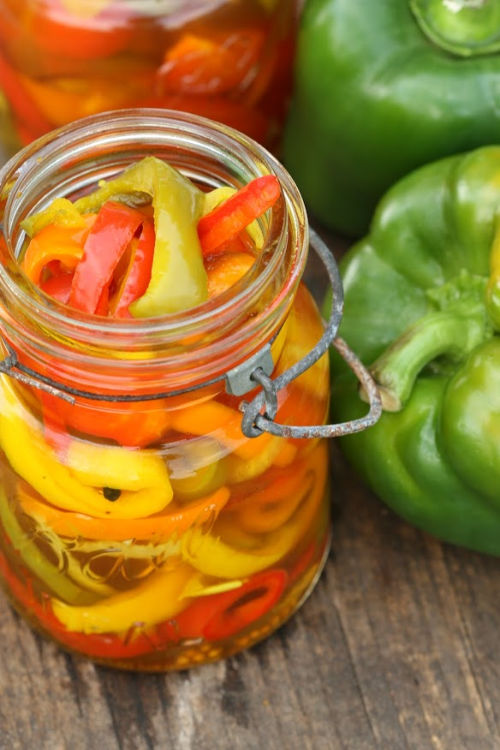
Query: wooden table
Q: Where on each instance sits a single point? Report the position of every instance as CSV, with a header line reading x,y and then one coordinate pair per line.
x,y
396,648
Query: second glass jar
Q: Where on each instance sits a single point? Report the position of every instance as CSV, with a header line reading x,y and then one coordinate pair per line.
x,y
229,60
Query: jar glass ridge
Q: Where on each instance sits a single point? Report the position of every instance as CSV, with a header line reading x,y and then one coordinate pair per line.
x,y
233,553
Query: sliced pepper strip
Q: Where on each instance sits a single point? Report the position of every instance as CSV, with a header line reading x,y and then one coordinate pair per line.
x,y
246,605
98,31
208,66
222,615
142,475
216,420
178,278
107,241
61,212
211,555
157,528
278,452
215,198
56,243
58,286
269,508
132,424
226,270
237,212
97,645
158,598
138,274
58,582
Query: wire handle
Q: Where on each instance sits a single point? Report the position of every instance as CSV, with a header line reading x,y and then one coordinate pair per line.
x,y
258,415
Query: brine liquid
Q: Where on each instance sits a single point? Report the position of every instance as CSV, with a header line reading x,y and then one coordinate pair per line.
x,y
228,559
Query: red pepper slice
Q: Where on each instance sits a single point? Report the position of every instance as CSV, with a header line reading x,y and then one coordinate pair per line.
x,y
237,212
217,616
103,304
58,32
58,286
109,238
138,274
131,424
210,65
222,615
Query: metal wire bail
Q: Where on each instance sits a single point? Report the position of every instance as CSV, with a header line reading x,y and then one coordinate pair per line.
x,y
258,414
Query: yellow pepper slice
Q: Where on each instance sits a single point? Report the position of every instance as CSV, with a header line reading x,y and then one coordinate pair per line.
x,y
304,325
213,556
278,452
61,213
140,476
156,599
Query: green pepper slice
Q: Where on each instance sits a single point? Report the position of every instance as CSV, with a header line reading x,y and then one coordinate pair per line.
x,y
178,277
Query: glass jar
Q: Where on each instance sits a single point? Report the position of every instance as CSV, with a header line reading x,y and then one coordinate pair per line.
x,y
152,534
229,60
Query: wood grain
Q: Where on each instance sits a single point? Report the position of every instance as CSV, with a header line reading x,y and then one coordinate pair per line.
x,y
396,648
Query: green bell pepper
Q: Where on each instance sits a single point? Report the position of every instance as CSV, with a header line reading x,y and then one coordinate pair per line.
x,y
382,88
422,300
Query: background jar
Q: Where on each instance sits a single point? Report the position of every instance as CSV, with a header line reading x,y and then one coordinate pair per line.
x,y
229,60
88,554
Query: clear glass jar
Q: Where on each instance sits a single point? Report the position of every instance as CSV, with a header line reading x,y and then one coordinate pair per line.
x,y
94,552
229,60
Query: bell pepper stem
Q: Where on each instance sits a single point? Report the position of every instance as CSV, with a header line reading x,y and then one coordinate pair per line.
x,y
445,333
465,28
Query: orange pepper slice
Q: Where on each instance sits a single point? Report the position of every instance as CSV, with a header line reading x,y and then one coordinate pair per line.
x,y
210,65
56,243
226,270
156,528
131,424
269,508
216,420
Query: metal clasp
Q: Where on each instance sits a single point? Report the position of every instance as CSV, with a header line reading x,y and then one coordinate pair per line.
x,y
258,415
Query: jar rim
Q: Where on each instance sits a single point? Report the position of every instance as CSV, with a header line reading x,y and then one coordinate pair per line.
x,y
114,130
